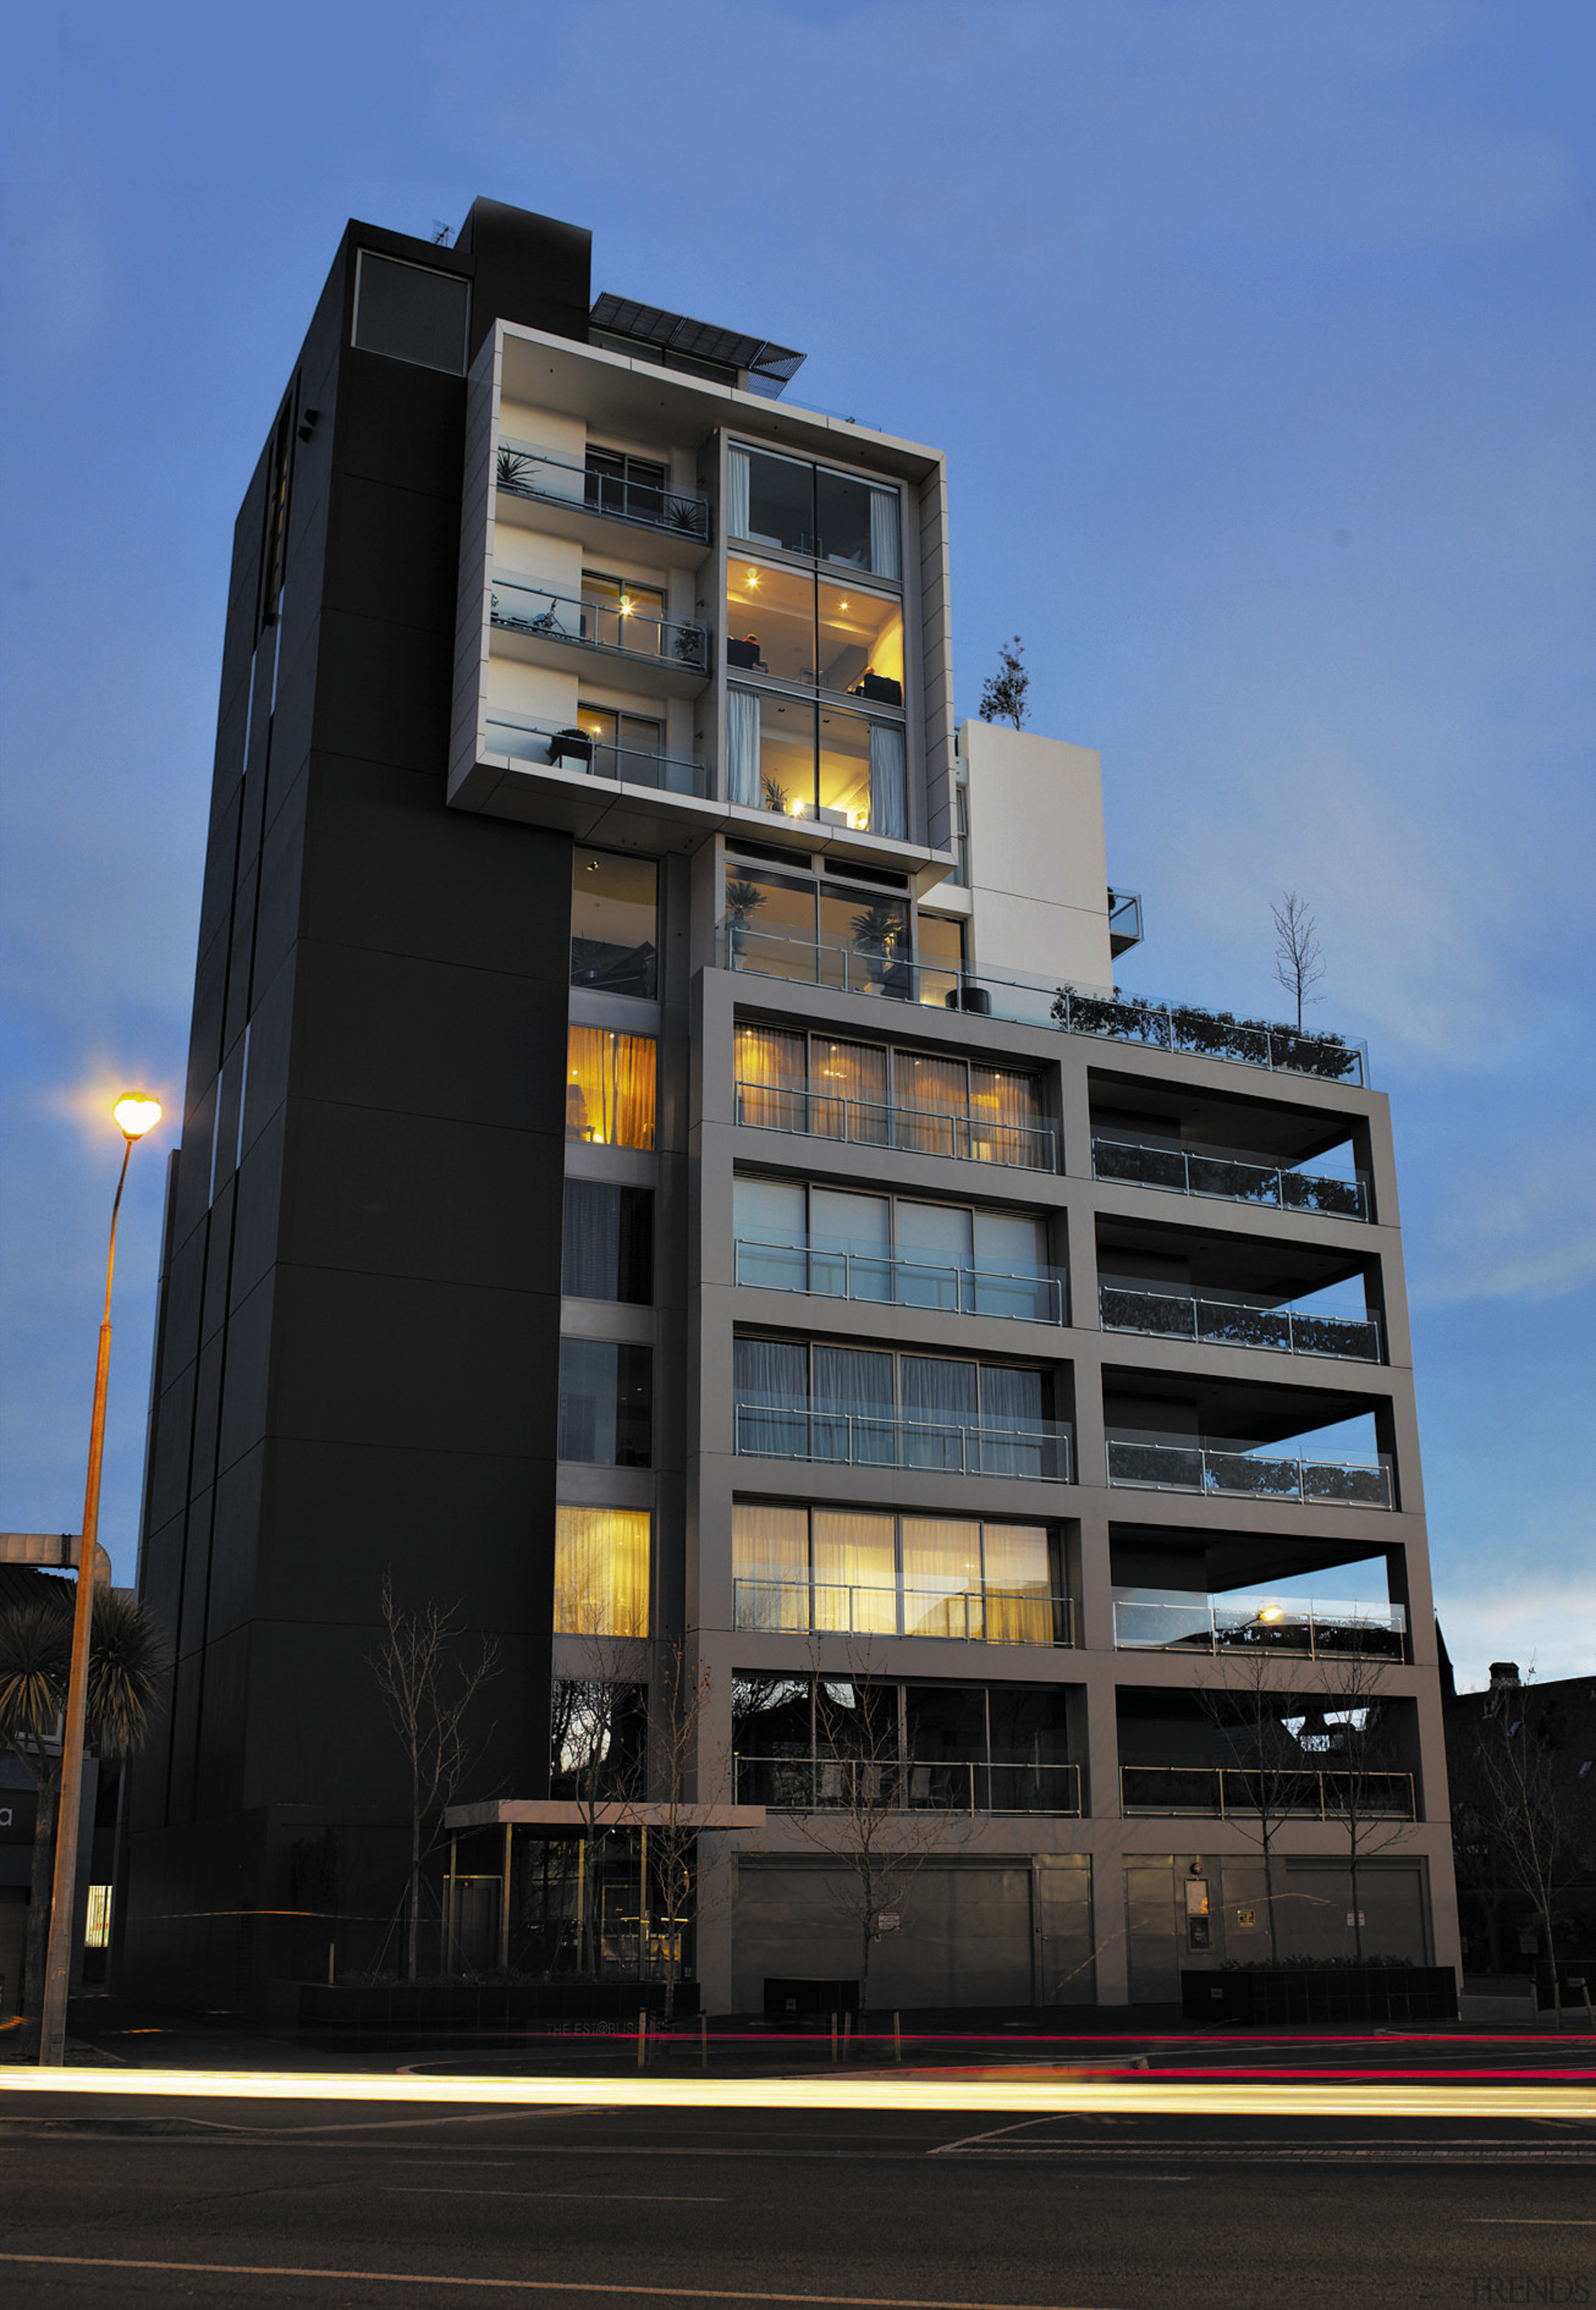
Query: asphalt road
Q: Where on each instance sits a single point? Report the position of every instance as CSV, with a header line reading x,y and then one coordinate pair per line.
x,y
289,2204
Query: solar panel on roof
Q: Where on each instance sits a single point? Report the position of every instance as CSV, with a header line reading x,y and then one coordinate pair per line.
x,y
651,325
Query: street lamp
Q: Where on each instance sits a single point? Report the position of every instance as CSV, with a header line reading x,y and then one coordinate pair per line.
x,y
136,1113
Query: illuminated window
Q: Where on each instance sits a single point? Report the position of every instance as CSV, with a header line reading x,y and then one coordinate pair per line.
x,y
601,1572
609,1088
97,1927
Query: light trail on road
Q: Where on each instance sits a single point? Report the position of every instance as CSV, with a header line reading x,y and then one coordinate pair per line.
x,y
1150,2094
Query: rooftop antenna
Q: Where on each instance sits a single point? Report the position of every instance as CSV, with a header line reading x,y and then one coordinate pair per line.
x,y
440,233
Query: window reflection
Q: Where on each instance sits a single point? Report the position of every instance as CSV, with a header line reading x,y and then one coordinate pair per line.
x,y
613,922
813,509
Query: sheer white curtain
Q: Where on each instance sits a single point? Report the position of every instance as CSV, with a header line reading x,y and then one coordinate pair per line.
x,y
889,782
941,1577
1012,1403
742,748
737,495
855,1572
883,533
770,1566
1018,1570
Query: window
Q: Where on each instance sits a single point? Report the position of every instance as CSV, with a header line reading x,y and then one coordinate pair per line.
x,y
812,1570
619,614
630,746
607,1244
632,487
928,1104
866,1407
609,1088
814,632
963,1748
97,1925
598,1738
411,313
801,929
813,509
601,1572
840,1245
614,921
606,1403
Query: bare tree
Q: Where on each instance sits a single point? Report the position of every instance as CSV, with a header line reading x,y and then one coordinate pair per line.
x,y
125,1656
863,1812
1300,959
1361,1778
1003,693
598,1755
687,1780
430,1693
1528,1805
1247,1712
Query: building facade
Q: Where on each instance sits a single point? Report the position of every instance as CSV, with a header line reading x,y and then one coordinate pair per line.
x,y
666,1174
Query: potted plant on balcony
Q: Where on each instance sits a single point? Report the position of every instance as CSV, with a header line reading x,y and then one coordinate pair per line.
x,y
743,901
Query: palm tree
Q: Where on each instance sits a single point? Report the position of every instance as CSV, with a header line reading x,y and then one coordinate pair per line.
x,y
125,1657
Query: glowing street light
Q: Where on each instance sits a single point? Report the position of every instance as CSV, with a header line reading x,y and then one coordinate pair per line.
x,y
136,1113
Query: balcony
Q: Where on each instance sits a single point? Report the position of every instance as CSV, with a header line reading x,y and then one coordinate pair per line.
x,y
1038,1451
1175,1623
1237,1323
1124,922
846,1785
560,630
1177,1463
571,748
1228,1178
976,1616
910,1130
884,1280
888,970
683,515
1223,1792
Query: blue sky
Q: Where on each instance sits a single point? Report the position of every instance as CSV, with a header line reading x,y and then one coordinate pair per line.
x,y
1261,342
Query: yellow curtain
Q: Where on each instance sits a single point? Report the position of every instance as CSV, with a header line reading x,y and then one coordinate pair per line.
x,y
1018,1584
772,1069
601,1572
770,1564
1005,1108
609,1088
855,1573
941,1577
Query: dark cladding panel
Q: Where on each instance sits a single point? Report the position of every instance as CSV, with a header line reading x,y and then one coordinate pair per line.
x,y
411,313
532,269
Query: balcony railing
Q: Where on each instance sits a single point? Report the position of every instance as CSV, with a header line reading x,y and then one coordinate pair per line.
x,y
1220,1792
1309,1631
896,973
922,1785
1039,1451
1184,1465
527,473
1238,1324
517,609
1125,921
1230,1178
887,1281
911,1130
981,1616
578,750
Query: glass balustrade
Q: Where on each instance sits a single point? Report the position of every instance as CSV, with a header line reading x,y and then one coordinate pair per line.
x,y
1230,1178
1185,1464
629,632
976,1616
770,1429
573,748
1312,1631
826,1272
912,1131
886,969
1237,1323
529,473
1219,1792
917,1785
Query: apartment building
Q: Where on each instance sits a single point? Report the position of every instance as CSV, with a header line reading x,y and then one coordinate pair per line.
x,y
667,1175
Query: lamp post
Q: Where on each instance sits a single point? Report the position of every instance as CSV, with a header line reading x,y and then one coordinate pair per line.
x,y
135,1114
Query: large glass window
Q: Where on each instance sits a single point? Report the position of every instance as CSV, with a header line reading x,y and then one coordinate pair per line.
x,y
784,623
770,620
601,1572
627,746
607,1251
609,1088
860,642
867,1572
619,613
841,768
933,1105
606,1401
813,509
614,921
